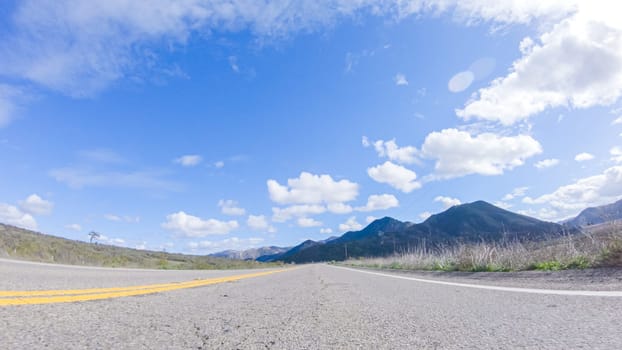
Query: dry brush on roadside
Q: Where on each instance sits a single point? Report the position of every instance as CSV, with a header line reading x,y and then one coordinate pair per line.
x,y
599,246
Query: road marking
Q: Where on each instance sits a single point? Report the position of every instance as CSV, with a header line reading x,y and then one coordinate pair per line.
x,y
588,293
8,298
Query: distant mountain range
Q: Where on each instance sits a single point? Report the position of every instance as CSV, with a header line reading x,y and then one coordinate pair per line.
x,y
250,254
470,222
597,215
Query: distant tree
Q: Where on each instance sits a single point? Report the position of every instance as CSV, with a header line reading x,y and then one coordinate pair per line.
x,y
94,236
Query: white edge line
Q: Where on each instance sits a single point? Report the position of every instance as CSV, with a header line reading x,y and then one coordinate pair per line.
x,y
588,293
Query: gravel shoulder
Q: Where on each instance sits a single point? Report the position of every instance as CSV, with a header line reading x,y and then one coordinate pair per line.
x,y
601,279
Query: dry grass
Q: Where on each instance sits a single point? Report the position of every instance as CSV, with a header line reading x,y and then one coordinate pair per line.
x,y
594,247
17,243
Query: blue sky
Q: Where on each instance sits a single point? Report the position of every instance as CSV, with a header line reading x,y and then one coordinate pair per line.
x,y
199,126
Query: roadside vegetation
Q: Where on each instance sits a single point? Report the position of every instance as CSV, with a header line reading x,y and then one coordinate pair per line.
x,y
598,246
17,243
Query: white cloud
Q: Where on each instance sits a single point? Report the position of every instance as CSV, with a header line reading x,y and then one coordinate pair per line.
x,y
370,219
517,192
339,208
616,154
192,226
12,215
395,175
457,153
124,218
447,202
461,81
189,160
81,48
219,164
425,215
390,149
312,189
350,225
380,202
259,223
577,63
308,222
400,79
226,244
285,214
617,121
326,231
74,227
36,205
117,241
503,205
230,207
584,156
546,163
141,246
590,191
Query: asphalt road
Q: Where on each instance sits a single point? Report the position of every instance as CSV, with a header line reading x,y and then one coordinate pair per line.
x,y
310,307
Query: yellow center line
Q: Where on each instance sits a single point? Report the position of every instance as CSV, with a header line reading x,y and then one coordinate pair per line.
x,y
73,295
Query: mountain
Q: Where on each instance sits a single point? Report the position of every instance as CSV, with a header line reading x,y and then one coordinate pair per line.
x,y
597,215
250,254
470,222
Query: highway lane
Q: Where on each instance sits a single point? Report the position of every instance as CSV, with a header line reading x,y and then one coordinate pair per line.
x,y
312,307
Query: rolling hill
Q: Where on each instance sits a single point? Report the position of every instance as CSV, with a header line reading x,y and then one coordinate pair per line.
x,y
22,244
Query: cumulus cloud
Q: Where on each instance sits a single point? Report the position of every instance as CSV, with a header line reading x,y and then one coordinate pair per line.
x,y
616,154
259,223
308,222
300,210
326,231
230,207
370,219
546,163
312,189
425,215
339,208
189,160
447,202
589,191
390,149
350,225
395,175
380,202
187,225
583,156
457,153
577,63
400,79
12,215
517,192
36,205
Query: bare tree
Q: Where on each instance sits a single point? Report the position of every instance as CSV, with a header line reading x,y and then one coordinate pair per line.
x,y
94,236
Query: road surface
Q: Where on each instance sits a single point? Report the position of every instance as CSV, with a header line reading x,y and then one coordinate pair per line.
x,y
308,307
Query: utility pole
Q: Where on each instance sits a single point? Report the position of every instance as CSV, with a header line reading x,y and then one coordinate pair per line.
x,y
345,246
